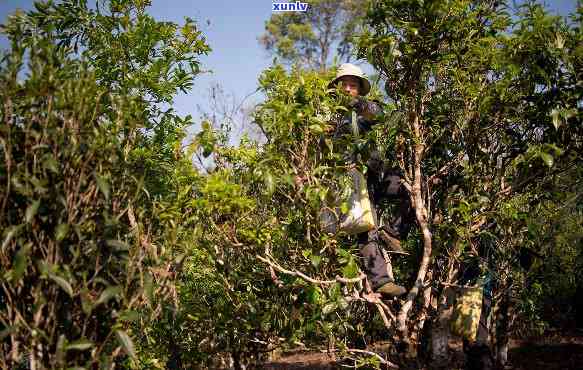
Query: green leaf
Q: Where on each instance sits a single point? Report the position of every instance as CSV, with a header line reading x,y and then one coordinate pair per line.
x,y
103,185
107,294
329,144
149,288
315,260
342,303
10,232
313,295
335,291
86,301
64,284
117,245
269,182
20,262
317,129
555,117
329,307
61,232
344,207
31,211
129,316
80,345
547,158
483,199
350,270
126,342
51,164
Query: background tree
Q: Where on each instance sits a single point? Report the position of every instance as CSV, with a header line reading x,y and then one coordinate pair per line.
x,y
314,37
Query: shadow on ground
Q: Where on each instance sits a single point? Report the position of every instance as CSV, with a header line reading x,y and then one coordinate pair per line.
x,y
561,352
564,356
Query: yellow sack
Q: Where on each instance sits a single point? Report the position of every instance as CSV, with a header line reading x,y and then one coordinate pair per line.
x,y
359,217
353,191
466,314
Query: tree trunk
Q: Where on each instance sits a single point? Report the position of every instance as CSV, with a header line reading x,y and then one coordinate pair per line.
x,y
421,216
502,328
420,325
440,331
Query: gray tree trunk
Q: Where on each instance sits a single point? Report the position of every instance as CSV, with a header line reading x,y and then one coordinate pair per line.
x,y
440,332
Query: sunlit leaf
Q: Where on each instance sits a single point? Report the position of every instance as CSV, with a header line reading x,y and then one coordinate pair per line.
x,y
103,185
80,345
126,342
61,231
107,294
64,284
547,159
328,308
31,210
20,262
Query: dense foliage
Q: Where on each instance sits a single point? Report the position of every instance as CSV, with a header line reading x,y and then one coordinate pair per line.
x,y
86,151
116,250
493,124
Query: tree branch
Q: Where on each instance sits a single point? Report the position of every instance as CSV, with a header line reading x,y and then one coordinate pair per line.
x,y
300,274
379,357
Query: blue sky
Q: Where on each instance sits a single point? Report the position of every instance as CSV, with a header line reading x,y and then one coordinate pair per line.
x,y
236,59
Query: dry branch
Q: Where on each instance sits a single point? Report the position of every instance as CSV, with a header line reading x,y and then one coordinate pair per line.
x,y
300,274
370,297
371,353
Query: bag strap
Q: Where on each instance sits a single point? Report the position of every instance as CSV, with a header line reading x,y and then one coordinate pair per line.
x,y
355,130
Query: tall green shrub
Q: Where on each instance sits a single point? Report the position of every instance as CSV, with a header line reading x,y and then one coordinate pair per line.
x,y
88,157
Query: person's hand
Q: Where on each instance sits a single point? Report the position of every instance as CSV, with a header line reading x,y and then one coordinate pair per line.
x,y
329,128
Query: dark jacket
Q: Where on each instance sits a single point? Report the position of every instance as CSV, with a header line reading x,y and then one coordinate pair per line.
x,y
364,108
383,180
367,114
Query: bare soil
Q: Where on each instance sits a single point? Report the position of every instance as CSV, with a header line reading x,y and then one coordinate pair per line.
x,y
555,351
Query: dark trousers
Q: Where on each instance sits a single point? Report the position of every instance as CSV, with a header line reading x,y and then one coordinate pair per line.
x,y
384,185
374,262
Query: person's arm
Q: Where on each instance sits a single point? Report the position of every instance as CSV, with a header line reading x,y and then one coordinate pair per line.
x,y
369,110
368,113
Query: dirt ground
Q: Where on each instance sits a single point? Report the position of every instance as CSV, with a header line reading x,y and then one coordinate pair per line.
x,y
557,351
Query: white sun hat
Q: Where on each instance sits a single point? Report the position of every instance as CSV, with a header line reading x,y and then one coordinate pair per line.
x,y
348,69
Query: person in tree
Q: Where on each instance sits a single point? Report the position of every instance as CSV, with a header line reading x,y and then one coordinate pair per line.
x,y
382,181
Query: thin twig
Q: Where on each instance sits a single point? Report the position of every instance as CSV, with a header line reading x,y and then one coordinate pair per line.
x,y
371,353
443,170
299,274
459,286
383,316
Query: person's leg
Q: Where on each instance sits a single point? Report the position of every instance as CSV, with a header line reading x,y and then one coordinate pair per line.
x,y
391,188
386,186
375,264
